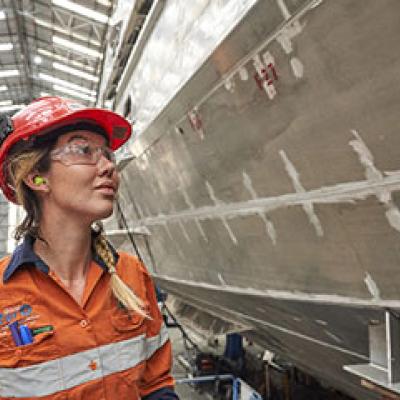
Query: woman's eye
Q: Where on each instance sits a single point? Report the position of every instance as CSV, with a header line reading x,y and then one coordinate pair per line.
x,y
85,149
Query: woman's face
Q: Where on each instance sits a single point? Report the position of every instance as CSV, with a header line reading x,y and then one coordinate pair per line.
x,y
84,190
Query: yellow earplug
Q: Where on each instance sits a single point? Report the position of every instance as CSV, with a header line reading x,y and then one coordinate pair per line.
x,y
39,180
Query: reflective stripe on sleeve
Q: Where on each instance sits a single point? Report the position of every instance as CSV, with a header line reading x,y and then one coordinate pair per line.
x,y
67,372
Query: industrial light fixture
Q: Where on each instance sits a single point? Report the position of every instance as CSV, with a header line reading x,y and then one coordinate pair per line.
x,y
86,12
5,103
74,93
77,47
8,73
3,15
37,60
76,72
6,46
3,88
78,64
67,84
59,29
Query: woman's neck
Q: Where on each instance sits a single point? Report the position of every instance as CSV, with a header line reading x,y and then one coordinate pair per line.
x,y
66,249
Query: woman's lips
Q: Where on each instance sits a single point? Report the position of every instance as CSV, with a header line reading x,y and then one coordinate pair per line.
x,y
106,190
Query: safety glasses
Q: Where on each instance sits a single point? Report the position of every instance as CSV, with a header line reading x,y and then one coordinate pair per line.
x,y
81,152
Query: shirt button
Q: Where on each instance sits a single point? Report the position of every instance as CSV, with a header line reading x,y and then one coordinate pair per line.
x,y
84,323
93,365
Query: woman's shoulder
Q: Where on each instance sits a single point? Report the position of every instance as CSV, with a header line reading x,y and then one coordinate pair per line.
x,y
4,262
134,273
127,261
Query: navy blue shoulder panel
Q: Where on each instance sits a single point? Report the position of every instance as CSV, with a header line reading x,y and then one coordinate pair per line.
x,y
166,393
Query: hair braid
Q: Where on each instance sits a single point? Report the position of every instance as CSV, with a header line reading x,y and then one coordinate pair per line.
x,y
120,289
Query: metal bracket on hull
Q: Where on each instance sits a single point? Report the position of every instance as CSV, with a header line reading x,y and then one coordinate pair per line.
x,y
139,230
383,369
118,236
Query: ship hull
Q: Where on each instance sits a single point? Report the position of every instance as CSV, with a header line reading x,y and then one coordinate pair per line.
x,y
270,182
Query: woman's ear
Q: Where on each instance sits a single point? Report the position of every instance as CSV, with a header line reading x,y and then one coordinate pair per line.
x,y
37,182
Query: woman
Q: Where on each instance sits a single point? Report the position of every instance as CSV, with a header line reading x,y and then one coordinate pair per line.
x,y
78,320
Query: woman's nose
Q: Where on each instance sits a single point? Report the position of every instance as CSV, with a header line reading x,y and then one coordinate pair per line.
x,y
106,166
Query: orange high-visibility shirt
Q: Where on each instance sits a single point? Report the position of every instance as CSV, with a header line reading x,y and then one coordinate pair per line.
x,y
93,351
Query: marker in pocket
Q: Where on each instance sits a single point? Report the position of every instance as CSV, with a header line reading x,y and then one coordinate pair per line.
x,y
26,334
13,327
42,329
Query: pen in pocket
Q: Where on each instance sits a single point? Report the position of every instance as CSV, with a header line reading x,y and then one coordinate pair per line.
x,y
15,333
26,334
42,329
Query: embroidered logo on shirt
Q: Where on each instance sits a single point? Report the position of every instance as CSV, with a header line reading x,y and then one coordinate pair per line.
x,y
20,312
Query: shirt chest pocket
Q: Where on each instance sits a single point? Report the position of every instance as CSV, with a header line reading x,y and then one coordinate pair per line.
x,y
42,347
126,323
130,347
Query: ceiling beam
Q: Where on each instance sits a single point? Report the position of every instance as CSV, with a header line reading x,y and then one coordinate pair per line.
x,y
25,59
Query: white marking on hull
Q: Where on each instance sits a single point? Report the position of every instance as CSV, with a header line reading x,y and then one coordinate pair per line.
x,y
307,206
316,3
230,85
192,207
288,295
287,34
366,158
223,219
372,287
221,279
259,66
184,231
283,7
393,216
176,243
243,73
297,67
270,229
189,272
166,227
181,225
372,174
333,336
268,58
139,210
284,40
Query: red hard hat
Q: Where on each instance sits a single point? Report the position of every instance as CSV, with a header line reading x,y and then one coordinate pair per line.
x,y
48,113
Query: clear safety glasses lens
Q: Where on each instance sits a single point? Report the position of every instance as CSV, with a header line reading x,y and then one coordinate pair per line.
x,y
82,153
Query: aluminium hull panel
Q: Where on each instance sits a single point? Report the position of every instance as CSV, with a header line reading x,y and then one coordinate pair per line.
x,y
287,186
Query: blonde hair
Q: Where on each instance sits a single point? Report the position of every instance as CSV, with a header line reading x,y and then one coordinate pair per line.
x,y
19,166
122,292
21,162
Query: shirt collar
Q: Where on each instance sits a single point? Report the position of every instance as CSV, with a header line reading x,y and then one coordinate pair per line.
x,y
24,255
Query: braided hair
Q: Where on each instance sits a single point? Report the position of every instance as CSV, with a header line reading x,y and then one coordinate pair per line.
x,y
122,292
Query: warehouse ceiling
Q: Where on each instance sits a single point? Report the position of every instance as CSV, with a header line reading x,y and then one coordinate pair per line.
x,y
51,47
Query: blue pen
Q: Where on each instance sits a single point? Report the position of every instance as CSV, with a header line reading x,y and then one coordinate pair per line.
x,y
15,334
26,334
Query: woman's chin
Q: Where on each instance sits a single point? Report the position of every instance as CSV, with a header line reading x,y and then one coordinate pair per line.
x,y
102,213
